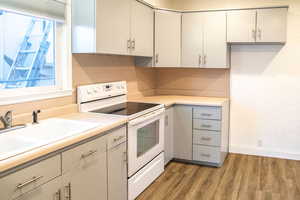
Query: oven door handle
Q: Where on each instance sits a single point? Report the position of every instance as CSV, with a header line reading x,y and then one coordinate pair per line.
x,y
147,117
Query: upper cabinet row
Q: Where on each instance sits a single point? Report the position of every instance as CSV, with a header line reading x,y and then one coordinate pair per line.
x,y
171,39
122,27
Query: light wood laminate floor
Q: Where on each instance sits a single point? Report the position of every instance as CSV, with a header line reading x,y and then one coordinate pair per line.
x,y
242,177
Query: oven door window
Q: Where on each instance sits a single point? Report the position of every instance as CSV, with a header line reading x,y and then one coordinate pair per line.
x,y
147,138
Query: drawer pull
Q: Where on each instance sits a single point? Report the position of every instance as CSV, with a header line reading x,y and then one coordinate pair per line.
x,y
88,154
58,195
205,155
68,192
205,126
206,138
119,138
34,179
206,114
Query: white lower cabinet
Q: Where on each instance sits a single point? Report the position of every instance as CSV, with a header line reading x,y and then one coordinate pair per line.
x,y
85,171
92,170
183,132
29,179
117,172
200,134
49,191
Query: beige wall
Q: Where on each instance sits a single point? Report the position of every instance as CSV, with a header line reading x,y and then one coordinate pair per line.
x,y
194,82
89,69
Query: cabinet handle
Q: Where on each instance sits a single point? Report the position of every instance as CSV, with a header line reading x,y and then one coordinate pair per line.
x,y
58,195
205,155
204,59
254,34
200,60
129,44
34,179
166,120
88,154
119,138
205,126
206,114
156,58
259,33
68,192
125,156
206,138
133,44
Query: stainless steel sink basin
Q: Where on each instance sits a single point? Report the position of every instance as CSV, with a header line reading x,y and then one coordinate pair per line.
x,y
49,131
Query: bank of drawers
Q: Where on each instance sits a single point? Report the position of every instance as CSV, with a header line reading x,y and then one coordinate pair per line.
x,y
207,126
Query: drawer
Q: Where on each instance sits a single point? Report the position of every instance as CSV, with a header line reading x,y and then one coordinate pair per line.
x,y
85,153
207,139
203,124
206,154
207,113
27,179
116,137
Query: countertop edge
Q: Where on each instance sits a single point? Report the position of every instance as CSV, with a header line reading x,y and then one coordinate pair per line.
x,y
29,156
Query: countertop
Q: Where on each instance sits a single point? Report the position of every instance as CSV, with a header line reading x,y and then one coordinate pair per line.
x,y
169,100
106,123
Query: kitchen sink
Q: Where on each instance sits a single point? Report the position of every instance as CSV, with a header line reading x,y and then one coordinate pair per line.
x,y
46,132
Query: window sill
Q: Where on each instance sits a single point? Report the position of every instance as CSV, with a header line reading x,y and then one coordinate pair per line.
x,y
34,97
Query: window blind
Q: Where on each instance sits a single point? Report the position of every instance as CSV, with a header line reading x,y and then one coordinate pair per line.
x,y
54,9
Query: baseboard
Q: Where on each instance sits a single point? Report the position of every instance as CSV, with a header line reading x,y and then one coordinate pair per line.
x,y
264,152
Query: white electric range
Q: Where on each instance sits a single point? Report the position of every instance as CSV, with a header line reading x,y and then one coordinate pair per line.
x,y
145,130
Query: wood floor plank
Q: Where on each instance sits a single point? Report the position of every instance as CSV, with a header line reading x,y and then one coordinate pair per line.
x,y
242,177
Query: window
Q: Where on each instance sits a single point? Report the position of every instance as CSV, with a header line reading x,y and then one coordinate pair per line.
x,y
35,55
27,51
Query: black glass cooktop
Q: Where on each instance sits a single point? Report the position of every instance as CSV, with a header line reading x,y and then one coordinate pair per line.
x,y
128,108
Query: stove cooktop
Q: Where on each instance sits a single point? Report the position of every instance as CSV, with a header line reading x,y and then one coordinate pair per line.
x,y
127,108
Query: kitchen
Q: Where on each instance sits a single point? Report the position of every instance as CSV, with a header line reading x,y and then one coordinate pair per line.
x,y
221,81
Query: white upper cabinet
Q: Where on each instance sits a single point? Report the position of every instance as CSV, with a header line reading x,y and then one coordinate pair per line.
x,y
192,39
216,52
121,27
272,25
167,39
113,26
241,25
204,40
260,26
142,29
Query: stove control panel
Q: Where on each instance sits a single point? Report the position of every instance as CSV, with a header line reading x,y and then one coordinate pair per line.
x,y
100,91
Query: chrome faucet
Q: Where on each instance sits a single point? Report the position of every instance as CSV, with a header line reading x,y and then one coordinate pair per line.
x,y
7,120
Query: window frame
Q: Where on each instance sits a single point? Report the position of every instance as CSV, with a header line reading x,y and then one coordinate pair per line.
x,y
63,68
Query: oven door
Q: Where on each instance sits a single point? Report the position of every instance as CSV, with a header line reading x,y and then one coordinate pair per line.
x,y
145,139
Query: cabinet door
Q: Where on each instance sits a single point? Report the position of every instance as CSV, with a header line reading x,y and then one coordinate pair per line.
x,y
85,171
272,25
183,132
215,45
192,39
167,39
113,26
142,29
48,191
241,26
117,172
169,135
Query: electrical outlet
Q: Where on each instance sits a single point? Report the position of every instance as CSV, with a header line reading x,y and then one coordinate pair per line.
x,y
259,143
